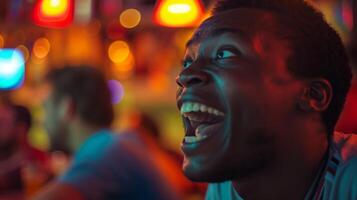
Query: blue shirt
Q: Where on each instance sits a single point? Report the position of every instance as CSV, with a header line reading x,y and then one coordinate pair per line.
x,y
111,166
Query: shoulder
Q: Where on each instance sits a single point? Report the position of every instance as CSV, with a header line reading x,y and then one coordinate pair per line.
x,y
99,145
346,145
343,185
115,165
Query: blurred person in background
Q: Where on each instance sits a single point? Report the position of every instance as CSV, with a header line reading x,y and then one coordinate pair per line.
x,y
37,170
262,86
24,169
11,159
79,114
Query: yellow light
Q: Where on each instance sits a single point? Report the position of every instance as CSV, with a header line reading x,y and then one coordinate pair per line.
x,y
41,48
179,8
25,51
1,41
178,13
54,7
118,51
130,18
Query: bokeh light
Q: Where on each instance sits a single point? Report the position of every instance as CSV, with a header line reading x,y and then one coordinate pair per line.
x,y
54,7
118,51
130,18
12,69
25,51
117,91
178,13
179,8
41,48
53,13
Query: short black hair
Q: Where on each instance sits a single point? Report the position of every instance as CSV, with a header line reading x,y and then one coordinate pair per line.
x,y
318,51
89,90
22,115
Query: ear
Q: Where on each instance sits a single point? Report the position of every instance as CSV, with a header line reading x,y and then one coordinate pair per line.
x,y
317,96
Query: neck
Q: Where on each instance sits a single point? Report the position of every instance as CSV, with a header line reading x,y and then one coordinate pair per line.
x,y
278,182
291,173
79,132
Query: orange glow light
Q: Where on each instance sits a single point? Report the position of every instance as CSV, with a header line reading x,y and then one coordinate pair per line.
x,y
130,18
118,51
178,13
53,13
41,48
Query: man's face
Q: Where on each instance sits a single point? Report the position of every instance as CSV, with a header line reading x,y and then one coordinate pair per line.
x,y
8,135
236,97
54,122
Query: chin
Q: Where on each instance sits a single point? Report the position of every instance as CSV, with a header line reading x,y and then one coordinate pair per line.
x,y
203,173
223,170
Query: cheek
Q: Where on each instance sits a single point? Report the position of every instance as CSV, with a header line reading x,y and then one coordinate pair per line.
x,y
50,120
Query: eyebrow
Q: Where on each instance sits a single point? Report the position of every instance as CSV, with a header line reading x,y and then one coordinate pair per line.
x,y
215,33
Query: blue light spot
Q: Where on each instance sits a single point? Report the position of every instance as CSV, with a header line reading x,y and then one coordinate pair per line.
x,y
12,69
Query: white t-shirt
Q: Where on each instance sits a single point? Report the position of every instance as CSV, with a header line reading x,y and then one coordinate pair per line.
x,y
338,180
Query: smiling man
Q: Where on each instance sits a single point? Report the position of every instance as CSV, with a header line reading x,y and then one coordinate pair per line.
x,y
262,86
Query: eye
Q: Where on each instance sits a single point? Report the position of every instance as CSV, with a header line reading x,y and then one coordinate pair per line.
x,y
186,63
225,53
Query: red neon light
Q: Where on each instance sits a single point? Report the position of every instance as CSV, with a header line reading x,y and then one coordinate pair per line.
x,y
59,15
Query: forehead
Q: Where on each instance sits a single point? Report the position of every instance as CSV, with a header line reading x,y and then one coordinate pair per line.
x,y
243,22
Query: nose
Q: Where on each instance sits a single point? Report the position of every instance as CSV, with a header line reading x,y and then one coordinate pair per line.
x,y
191,77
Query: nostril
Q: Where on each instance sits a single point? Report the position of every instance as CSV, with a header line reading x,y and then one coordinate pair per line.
x,y
194,81
191,78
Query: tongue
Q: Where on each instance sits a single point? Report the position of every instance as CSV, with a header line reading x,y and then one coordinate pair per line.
x,y
199,130
198,118
204,130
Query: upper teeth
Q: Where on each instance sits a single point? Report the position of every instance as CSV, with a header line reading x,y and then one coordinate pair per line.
x,y
196,107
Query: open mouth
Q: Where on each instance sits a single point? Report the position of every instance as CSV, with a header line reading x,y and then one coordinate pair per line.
x,y
200,121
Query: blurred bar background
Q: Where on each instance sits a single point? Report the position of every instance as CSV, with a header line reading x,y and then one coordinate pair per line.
x,y
138,44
